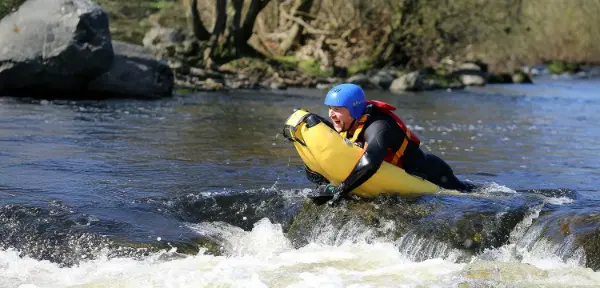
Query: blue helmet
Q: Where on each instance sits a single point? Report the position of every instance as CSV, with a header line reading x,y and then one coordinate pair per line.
x,y
347,95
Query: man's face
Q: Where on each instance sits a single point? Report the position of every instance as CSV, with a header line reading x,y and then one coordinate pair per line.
x,y
341,118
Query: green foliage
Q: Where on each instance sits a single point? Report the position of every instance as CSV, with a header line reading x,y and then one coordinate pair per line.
x,y
362,64
308,66
287,60
312,67
131,19
561,67
7,6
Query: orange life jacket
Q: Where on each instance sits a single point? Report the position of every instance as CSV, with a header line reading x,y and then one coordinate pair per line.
x,y
392,157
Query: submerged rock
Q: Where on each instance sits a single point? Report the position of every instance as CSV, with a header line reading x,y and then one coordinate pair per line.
x,y
574,234
59,236
494,271
428,227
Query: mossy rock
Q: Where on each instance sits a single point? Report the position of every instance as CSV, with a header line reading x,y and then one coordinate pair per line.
x,y
248,66
434,81
473,231
562,67
8,6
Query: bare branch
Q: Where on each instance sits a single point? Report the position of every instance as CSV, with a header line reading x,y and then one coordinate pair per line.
x,y
306,26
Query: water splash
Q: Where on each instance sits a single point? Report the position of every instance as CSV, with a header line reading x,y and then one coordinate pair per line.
x,y
527,245
265,259
419,248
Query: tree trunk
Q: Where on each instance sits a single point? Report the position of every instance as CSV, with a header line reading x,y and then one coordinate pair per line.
x,y
243,32
229,39
195,21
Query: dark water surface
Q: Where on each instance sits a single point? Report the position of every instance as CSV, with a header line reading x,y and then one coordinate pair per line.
x,y
139,170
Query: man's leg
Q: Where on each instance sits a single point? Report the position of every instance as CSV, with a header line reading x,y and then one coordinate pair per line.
x,y
440,173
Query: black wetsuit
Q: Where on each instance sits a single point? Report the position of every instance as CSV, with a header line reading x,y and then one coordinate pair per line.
x,y
381,132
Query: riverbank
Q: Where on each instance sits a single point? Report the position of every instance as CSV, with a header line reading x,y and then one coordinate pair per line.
x,y
162,27
147,50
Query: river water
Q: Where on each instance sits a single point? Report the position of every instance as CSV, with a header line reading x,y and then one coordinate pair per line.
x,y
76,174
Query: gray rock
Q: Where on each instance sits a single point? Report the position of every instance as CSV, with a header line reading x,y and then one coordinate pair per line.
x,y
358,79
54,44
472,79
521,77
471,74
134,73
324,86
160,40
204,73
277,86
382,80
412,81
469,66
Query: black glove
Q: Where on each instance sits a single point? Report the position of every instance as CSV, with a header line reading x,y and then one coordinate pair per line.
x,y
336,192
326,190
330,194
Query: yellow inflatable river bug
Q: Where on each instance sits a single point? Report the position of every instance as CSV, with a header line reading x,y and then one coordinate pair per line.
x,y
324,151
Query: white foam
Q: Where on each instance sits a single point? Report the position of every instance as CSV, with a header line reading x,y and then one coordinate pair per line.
x,y
558,200
263,257
495,188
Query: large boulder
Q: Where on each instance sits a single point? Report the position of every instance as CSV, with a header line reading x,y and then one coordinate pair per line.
x,y
412,81
382,79
54,45
134,73
471,74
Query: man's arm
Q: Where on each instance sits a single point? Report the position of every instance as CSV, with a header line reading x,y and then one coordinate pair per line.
x,y
377,146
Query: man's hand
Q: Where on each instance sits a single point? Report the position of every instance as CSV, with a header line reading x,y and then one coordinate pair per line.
x,y
335,192
326,190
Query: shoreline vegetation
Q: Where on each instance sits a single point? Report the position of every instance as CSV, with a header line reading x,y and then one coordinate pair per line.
x,y
397,45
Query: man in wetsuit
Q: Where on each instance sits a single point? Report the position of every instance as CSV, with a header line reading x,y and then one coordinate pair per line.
x,y
384,137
